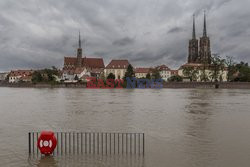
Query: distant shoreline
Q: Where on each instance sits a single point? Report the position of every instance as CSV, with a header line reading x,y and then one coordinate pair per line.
x,y
172,85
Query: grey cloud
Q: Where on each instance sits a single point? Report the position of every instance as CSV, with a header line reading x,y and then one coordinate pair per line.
x,y
123,42
175,30
37,34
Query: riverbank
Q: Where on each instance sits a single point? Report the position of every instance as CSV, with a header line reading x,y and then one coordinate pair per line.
x,y
43,85
208,85
173,85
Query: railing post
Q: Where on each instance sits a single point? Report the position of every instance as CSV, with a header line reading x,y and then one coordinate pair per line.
x,y
143,143
61,143
29,136
65,136
135,143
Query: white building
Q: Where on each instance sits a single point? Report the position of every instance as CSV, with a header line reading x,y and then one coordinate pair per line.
x,y
117,67
20,75
3,76
142,72
165,72
71,75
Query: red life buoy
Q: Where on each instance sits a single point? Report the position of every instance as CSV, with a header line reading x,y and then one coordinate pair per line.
x,y
47,142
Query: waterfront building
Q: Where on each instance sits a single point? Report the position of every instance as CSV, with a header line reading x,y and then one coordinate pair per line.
x,y
3,76
117,67
174,72
142,72
20,75
82,67
199,58
165,72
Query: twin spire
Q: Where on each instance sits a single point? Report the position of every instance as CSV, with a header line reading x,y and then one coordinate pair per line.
x,y
204,27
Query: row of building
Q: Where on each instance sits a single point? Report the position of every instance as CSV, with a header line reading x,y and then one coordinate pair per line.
x,y
81,67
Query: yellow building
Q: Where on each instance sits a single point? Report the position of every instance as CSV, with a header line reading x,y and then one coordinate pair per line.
x,y
201,69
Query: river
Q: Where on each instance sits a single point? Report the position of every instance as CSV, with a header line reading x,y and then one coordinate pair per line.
x,y
183,127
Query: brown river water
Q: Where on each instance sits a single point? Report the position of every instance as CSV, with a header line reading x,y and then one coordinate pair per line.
x,y
183,127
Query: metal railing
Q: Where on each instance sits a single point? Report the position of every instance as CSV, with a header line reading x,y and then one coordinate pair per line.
x,y
103,143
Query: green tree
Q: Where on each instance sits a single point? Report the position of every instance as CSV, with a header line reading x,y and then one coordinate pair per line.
x,y
148,76
175,78
155,73
243,71
191,73
111,76
37,77
217,67
130,72
230,68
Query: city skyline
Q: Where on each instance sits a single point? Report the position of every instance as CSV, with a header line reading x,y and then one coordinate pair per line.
x,y
145,33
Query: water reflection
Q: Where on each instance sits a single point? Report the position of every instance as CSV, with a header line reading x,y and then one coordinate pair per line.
x,y
46,161
199,142
87,160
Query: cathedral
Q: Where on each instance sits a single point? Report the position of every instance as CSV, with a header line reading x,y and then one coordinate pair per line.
x,y
199,53
82,67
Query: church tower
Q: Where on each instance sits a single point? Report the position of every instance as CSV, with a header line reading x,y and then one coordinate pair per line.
x,y
193,46
79,53
205,51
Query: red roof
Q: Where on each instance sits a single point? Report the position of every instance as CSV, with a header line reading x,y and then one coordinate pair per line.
x,y
174,72
163,68
87,62
192,65
93,62
142,70
21,73
118,64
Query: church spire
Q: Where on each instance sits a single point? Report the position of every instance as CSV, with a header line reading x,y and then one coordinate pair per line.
x,y
79,40
193,35
205,26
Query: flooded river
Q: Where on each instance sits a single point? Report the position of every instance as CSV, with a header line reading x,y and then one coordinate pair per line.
x,y
183,127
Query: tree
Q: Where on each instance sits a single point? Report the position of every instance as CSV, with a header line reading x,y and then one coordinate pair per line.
x,y
230,68
243,71
111,76
76,78
37,77
191,73
45,75
217,66
148,76
156,73
175,78
130,72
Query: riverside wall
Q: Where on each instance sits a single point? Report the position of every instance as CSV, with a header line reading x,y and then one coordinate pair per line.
x,y
174,85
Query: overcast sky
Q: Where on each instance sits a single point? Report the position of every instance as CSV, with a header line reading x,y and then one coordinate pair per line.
x,y
39,33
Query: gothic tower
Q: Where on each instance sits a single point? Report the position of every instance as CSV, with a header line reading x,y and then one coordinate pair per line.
x,y
193,46
79,53
205,51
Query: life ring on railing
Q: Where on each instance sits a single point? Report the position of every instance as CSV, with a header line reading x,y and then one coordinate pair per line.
x,y
47,142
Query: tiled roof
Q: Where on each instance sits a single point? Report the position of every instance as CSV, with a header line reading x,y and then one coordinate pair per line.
x,y
174,72
142,70
163,68
118,64
69,60
93,62
192,65
20,73
87,62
